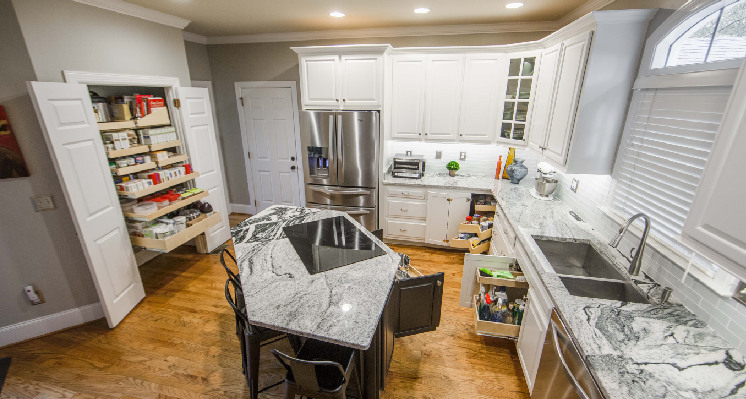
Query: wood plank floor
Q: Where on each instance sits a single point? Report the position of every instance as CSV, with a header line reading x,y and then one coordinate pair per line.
x,y
180,342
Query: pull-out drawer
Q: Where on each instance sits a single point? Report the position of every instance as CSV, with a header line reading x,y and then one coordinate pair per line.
x,y
406,192
408,209
410,231
506,228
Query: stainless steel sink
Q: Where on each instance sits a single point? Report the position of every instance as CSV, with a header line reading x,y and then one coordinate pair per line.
x,y
603,289
577,259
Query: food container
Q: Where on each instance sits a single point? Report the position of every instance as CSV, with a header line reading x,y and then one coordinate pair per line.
x,y
145,208
167,221
122,163
190,214
109,146
130,161
136,227
161,202
146,159
127,204
139,159
180,223
162,232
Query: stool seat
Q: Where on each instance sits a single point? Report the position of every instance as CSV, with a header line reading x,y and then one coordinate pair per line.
x,y
329,378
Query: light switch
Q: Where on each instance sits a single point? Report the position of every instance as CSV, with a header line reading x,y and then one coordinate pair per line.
x,y
43,203
574,185
462,156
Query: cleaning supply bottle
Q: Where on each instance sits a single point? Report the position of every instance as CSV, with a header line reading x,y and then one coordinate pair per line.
x,y
499,167
511,155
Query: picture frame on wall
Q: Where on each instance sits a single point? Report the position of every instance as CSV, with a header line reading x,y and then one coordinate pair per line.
x,y
12,164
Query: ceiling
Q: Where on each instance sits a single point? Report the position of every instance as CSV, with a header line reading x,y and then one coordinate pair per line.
x,y
247,17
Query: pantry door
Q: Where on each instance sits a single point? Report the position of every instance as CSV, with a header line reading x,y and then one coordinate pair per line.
x,y
66,116
199,131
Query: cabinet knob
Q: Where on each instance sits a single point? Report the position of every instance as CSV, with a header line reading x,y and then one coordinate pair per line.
x,y
461,135
402,229
404,209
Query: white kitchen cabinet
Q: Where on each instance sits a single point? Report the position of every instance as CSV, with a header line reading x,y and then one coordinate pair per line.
x,y
408,96
320,81
543,97
715,224
442,97
445,211
480,97
531,340
362,81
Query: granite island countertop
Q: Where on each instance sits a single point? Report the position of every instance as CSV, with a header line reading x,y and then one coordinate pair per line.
x,y
633,350
282,295
443,180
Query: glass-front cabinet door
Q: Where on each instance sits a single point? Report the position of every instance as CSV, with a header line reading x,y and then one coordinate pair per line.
x,y
517,101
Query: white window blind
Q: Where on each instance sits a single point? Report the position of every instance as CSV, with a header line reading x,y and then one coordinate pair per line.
x,y
663,157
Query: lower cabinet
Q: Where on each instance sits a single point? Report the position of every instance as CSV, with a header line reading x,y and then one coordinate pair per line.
x,y
531,339
445,210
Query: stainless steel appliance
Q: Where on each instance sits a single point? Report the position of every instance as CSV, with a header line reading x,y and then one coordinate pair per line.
x,y
340,151
545,182
562,372
408,166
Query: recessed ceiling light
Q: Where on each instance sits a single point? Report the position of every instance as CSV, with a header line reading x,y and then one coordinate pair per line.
x,y
514,5
337,14
422,10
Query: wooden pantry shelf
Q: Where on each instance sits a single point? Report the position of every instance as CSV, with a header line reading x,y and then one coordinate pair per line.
x,y
159,117
167,144
170,243
168,209
158,187
493,328
127,151
113,126
173,159
485,208
505,282
474,229
134,168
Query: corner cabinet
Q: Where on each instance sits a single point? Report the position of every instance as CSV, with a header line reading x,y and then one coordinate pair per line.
x,y
480,97
342,77
446,210
715,224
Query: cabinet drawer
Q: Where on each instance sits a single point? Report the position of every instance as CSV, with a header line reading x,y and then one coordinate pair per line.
x,y
406,192
409,209
407,230
506,228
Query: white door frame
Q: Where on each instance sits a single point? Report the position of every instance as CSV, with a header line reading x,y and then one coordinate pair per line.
x,y
293,86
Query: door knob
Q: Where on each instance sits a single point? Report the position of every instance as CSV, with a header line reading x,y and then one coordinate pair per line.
x,y
292,158
292,167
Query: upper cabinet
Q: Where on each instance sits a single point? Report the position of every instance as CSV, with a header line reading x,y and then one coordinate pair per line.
x,y
518,98
543,96
342,77
408,102
480,97
442,95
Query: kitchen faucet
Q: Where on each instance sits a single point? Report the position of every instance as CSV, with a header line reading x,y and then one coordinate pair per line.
x,y
636,261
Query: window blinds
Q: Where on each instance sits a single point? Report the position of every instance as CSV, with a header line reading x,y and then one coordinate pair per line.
x,y
663,155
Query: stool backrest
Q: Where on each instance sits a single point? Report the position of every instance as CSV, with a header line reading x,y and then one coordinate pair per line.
x,y
236,300
304,371
231,275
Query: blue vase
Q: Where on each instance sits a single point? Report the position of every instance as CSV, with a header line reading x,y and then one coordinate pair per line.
x,y
516,171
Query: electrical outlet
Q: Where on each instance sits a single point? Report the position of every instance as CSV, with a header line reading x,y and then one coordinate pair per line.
x,y
43,203
574,185
438,154
34,296
408,153
462,156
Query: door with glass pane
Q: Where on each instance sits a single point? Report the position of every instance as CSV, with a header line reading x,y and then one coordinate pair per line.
x,y
518,97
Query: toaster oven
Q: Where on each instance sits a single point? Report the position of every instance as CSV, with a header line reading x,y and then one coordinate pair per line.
x,y
408,166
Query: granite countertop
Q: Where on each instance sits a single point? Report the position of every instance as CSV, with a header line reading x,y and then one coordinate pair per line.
x,y
282,295
633,350
443,180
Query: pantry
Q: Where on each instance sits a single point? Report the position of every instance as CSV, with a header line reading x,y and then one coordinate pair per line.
x,y
138,161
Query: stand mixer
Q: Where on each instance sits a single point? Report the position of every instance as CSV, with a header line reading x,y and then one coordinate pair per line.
x,y
545,182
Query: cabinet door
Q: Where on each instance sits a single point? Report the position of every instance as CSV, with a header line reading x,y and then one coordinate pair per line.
x,y
479,101
362,77
531,340
436,231
419,302
458,210
715,224
408,102
442,97
543,97
569,82
320,81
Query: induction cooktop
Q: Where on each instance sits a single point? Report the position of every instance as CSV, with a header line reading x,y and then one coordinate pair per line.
x,y
330,243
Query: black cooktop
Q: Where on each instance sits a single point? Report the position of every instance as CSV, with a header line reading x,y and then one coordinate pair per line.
x,y
330,243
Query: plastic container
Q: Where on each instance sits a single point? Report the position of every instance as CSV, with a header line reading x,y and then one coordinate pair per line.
x,y
161,232
167,221
190,214
122,163
145,208
161,202
127,204
180,223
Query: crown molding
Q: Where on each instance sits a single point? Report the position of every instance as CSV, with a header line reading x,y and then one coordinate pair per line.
x,y
133,10
193,37
345,49
585,8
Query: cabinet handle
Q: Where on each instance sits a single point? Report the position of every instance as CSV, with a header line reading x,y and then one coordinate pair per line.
x,y
402,229
405,193
405,210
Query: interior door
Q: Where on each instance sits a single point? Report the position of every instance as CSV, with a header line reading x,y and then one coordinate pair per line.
x,y
543,97
268,116
202,143
419,304
71,133
408,102
362,77
479,101
436,230
320,77
443,96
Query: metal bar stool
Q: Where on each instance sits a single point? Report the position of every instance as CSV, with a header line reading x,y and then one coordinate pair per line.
x,y
320,370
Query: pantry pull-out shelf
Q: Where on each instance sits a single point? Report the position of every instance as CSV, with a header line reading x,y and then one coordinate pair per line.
x,y
170,243
493,328
505,282
158,187
173,159
168,209
167,144
134,168
127,151
159,117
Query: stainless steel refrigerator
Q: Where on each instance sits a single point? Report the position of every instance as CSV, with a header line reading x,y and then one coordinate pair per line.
x,y
340,154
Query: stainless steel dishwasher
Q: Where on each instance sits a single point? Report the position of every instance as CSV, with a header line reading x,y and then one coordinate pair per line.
x,y
562,372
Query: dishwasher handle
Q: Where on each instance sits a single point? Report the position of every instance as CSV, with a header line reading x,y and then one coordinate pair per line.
x,y
570,376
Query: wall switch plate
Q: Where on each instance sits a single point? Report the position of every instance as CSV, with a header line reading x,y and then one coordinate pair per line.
x,y
438,154
43,203
574,185
462,156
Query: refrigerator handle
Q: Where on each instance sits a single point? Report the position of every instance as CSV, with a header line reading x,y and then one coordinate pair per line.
x,y
340,154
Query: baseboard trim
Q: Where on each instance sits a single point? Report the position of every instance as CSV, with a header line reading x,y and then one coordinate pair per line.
x,y
34,328
241,208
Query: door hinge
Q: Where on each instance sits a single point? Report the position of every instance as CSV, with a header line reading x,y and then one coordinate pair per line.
x,y
248,153
177,103
446,241
242,104
256,204
450,199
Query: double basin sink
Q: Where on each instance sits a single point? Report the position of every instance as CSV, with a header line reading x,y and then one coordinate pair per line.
x,y
584,272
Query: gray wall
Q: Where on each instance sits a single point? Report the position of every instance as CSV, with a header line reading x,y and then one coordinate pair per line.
x,y
64,35
275,61
35,248
199,63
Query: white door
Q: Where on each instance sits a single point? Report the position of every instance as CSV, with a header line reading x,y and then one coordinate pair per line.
x,y
408,103
270,130
569,82
443,97
479,101
543,97
362,86
436,229
458,210
202,143
66,116
320,81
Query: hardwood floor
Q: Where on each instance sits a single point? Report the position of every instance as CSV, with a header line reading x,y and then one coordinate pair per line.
x,y
180,342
